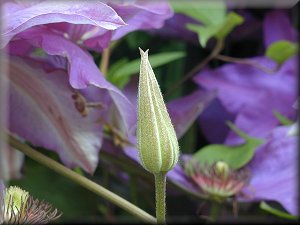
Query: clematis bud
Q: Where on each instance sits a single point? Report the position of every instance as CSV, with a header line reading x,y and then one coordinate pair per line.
x,y
156,137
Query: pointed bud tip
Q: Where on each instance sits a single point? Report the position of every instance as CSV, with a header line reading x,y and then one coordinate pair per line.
x,y
143,53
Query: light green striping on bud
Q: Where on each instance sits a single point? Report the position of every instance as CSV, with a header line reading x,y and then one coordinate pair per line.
x,y
156,137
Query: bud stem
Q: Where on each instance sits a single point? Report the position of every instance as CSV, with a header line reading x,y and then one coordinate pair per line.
x,y
81,180
105,60
214,211
160,195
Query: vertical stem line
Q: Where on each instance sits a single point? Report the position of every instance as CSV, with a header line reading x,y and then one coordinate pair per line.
x,y
105,61
215,208
160,197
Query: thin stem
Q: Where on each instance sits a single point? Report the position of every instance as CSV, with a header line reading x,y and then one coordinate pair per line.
x,y
217,49
105,60
214,211
246,62
160,197
81,180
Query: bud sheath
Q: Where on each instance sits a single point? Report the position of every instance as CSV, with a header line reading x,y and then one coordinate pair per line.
x,y
157,141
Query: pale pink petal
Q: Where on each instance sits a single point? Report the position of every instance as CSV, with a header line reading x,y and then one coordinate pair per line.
x,y
42,111
81,68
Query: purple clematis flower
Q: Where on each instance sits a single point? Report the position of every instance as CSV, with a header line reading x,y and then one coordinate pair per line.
x,y
90,24
137,13
175,27
247,94
30,14
66,74
274,170
249,97
48,115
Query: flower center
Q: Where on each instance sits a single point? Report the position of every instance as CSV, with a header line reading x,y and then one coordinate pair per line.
x,y
14,202
218,181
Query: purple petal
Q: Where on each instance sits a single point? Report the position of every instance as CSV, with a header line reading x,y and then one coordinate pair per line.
x,y
184,111
277,26
249,29
99,42
252,95
178,177
175,27
19,48
42,111
89,36
131,90
142,15
132,150
274,170
235,78
213,122
82,69
80,12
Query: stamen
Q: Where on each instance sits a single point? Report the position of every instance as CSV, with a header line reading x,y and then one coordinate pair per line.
x,y
20,208
217,181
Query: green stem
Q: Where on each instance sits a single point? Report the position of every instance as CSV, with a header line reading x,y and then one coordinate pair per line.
x,y
105,60
246,62
81,180
160,197
214,211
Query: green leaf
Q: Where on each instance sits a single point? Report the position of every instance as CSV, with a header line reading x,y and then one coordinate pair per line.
x,y
282,119
264,206
220,31
115,67
232,20
281,50
208,13
204,33
235,156
121,76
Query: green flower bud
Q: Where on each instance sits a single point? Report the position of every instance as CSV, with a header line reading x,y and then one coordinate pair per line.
x,y
156,137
